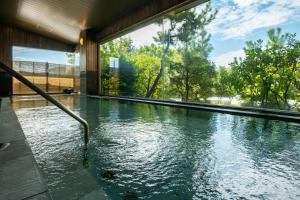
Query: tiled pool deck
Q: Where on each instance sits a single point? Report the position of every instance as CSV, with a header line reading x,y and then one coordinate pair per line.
x,y
20,177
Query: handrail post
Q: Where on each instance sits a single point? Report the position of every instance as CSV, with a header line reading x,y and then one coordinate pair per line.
x,y
47,77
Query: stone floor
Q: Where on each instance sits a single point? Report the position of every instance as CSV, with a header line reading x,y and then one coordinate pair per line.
x,y
20,177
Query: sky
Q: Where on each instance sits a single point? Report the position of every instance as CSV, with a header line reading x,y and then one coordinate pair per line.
x,y
40,55
237,21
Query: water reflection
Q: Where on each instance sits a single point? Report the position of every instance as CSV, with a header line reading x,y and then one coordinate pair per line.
x,y
161,152
34,101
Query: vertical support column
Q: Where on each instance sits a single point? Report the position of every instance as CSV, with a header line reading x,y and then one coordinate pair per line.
x,y
59,79
89,79
100,68
47,77
33,77
73,77
6,58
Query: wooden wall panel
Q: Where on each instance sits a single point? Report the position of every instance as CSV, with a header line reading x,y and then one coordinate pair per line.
x,y
5,45
89,83
82,52
27,39
6,58
92,66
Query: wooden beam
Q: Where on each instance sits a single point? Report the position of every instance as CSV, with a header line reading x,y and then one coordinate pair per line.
x,y
33,40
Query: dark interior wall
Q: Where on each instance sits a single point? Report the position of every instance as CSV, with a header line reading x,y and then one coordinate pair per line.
x,y
9,37
89,78
6,58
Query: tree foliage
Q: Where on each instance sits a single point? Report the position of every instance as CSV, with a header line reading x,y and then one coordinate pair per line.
x,y
194,75
269,74
177,65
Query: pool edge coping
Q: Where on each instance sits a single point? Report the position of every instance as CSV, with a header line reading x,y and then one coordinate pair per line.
x,y
21,140
242,111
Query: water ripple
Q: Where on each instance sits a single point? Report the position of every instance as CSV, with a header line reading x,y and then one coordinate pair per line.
x,y
164,153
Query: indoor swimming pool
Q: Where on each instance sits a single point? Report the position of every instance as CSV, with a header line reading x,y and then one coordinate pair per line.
x,y
144,151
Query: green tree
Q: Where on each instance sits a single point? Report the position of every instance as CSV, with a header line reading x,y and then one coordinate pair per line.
x,y
268,74
183,27
287,51
194,75
110,78
71,58
147,64
166,39
224,85
127,77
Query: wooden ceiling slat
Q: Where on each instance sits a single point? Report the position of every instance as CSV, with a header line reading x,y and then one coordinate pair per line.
x,y
64,19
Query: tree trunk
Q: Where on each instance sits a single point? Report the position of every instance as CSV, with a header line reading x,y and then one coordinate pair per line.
x,y
161,71
187,87
285,94
148,85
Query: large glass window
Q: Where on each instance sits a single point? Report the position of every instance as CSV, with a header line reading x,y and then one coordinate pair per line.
x,y
240,53
52,71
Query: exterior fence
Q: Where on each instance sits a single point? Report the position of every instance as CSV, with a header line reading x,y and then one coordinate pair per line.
x,y
52,78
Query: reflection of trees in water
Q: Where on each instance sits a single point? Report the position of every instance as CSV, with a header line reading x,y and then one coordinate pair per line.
x,y
90,108
181,145
183,141
126,111
132,111
191,141
267,140
38,101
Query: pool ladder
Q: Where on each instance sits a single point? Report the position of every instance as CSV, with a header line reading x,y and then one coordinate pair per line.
x,y
51,99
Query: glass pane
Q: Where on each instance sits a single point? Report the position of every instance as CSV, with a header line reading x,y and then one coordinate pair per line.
x,y
49,76
16,84
66,77
26,69
53,78
76,79
40,74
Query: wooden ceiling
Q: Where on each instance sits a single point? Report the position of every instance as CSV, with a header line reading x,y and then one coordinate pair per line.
x,y
64,19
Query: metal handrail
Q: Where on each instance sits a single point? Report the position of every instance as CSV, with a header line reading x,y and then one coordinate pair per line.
x,y
49,98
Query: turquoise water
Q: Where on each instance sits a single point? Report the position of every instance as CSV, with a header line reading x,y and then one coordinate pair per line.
x,y
159,152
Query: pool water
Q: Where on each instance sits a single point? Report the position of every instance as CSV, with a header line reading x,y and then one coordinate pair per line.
x,y
159,152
